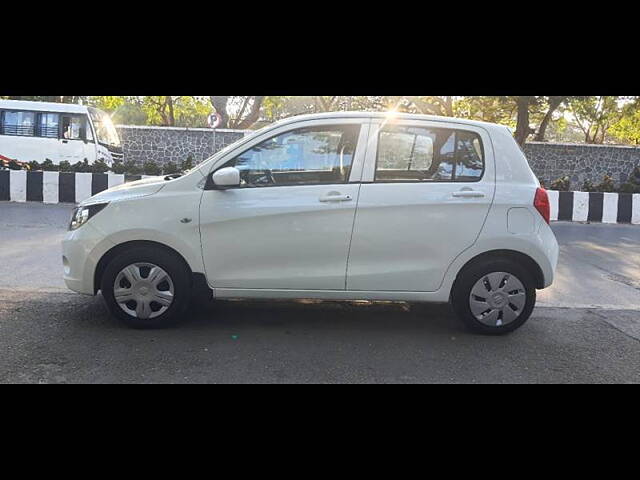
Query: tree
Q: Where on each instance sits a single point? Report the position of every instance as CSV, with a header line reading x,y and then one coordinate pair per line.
x,y
443,106
160,110
237,112
553,103
627,128
594,116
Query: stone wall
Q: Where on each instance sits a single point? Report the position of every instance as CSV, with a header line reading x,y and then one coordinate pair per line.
x,y
550,161
169,144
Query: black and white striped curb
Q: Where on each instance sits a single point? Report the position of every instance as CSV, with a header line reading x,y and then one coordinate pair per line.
x,y
57,187
61,187
595,207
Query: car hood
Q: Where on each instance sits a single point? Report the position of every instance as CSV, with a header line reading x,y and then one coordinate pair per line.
x,y
125,191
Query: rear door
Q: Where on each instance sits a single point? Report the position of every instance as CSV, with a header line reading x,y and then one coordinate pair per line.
x,y
427,189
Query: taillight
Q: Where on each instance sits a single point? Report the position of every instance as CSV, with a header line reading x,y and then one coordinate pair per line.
x,y
541,202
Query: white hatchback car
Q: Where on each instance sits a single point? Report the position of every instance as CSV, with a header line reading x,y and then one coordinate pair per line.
x,y
337,206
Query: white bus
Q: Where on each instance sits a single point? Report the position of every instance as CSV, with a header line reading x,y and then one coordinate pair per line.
x,y
57,131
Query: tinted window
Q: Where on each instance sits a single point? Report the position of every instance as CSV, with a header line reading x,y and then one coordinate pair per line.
x,y
470,156
416,154
318,155
18,123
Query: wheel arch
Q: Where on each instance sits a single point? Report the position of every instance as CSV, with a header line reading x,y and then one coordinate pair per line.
x,y
504,254
116,250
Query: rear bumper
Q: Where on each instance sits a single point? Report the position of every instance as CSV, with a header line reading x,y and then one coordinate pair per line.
x,y
548,245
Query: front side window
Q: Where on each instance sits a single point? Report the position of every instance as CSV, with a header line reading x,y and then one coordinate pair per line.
x,y
18,123
307,156
73,127
417,154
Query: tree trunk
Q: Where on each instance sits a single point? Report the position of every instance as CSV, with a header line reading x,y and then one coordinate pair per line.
x,y
523,130
220,105
554,103
253,115
171,117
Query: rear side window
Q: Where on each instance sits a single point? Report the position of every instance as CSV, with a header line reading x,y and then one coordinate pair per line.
x,y
417,154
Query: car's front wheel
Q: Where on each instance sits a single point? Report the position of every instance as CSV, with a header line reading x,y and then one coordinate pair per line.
x,y
494,297
146,287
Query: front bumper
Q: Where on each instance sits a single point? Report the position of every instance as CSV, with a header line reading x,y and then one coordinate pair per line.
x,y
81,251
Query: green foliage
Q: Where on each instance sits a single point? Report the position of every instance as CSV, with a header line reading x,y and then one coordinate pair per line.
x,y
81,167
118,167
187,164
48,166
562,184
633,183
606,185
170,168
100,166
129,114
151,168
34,166
627,128
107,103
131,168
13,165
595,115
588,186
64,166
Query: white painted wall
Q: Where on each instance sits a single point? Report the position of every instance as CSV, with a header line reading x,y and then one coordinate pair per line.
x,y
610,208
50,187
553,200
83,186
580,206
18,185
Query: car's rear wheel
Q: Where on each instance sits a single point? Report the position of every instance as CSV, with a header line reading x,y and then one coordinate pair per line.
x,y
494,297
146,287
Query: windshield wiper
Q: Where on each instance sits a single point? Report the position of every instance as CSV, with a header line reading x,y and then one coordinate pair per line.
x,y
173,176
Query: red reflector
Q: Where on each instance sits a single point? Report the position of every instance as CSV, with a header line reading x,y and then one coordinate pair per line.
x,y
541,202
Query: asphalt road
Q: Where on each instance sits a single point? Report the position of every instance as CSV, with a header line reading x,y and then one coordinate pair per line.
x,y
585,329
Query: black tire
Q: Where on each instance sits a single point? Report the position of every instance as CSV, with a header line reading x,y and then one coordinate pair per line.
x,y
171,264
468,278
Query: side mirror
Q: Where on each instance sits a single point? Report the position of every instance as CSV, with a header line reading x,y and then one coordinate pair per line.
x,y
226,177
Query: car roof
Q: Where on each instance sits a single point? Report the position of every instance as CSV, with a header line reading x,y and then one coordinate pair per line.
x,y
396,116
42,106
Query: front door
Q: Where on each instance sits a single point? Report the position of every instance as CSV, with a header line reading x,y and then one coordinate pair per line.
x,y
74,144
428,193
289,224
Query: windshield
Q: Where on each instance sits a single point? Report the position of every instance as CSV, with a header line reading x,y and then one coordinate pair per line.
x,y
105,131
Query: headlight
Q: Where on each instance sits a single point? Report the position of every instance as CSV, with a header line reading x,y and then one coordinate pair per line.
x,y
81,215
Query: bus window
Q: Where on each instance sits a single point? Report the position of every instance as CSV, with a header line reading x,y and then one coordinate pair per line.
x,y
18,123
72,128
49,124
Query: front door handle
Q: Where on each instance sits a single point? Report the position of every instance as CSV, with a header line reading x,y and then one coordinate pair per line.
x,y
468,194
335,197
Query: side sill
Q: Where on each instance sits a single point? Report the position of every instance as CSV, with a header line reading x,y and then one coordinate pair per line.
x,y
430,297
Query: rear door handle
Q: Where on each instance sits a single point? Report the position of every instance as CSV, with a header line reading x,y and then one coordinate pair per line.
x,y
335,197
468,194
